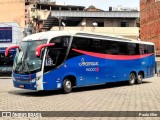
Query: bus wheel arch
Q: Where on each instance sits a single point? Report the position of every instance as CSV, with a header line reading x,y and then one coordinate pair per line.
x,y
132,78
140,77
68,83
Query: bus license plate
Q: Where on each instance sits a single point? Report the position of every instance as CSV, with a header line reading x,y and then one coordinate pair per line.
x,y
21,86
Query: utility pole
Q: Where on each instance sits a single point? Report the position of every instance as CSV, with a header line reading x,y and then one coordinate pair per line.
x,y
60,21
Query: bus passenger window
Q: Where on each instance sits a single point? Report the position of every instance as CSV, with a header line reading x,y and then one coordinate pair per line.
x,y
52,57
48,61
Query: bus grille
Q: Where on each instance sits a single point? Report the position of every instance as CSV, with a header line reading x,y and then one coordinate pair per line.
x,y
23,81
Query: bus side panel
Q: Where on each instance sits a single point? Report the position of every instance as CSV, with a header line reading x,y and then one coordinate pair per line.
x,y
86,69
49,81
150,67
54,78
90,70
121,69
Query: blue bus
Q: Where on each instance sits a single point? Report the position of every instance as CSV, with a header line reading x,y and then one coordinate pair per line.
x,y
65,59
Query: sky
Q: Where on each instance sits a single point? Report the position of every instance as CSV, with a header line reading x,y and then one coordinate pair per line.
x,y
102,4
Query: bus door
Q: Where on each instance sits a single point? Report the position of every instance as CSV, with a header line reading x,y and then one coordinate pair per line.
x,y
51,58
55,55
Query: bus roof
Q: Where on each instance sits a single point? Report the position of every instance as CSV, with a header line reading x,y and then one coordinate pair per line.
x,y
50,34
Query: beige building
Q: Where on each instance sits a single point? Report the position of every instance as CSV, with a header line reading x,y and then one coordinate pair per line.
x,y
110,22
44,16
13,11
129,32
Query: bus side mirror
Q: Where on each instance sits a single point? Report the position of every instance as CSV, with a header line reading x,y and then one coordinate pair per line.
x,y
40,47
9,48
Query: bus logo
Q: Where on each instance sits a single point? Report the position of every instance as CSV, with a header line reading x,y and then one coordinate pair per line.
x,y
83,63
92,69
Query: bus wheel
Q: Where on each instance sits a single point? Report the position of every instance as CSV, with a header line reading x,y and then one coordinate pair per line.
x,y
132,79
67,85
140,78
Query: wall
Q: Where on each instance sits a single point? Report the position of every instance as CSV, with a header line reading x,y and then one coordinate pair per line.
x,y
27,14
130,32
110,22
150,22
17,33
13,11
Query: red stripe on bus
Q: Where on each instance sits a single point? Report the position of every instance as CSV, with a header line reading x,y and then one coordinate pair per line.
x,y
113,57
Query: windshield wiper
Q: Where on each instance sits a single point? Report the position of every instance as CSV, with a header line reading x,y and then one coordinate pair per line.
x,y
26,65
25,56
18,65
20,61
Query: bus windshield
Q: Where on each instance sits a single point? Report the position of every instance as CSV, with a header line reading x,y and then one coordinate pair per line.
x,y
25,59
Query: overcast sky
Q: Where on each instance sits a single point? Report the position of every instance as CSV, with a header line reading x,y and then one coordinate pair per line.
x,y
101,4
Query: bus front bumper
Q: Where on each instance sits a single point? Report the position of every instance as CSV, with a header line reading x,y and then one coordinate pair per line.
x,y
24,81
30,86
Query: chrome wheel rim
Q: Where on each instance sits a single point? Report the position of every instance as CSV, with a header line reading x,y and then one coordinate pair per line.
x,y
140,78
132,78
68,85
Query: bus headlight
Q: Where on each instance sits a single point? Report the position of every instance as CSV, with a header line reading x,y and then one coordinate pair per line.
x,y
33,80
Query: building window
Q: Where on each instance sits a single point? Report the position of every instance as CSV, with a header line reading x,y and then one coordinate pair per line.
x,y
124,24
100,24
33,9
25,10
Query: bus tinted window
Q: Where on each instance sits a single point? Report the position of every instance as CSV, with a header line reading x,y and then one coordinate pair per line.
x,y
146,49
110,47
115,47
150,49
82,43
142,49
100,46
61,41
55,55
133,49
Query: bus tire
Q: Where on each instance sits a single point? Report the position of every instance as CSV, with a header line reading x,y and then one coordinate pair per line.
x,y
67,85
140,78
132,79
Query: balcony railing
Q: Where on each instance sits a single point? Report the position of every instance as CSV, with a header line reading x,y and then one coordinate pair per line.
x,y
106,14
